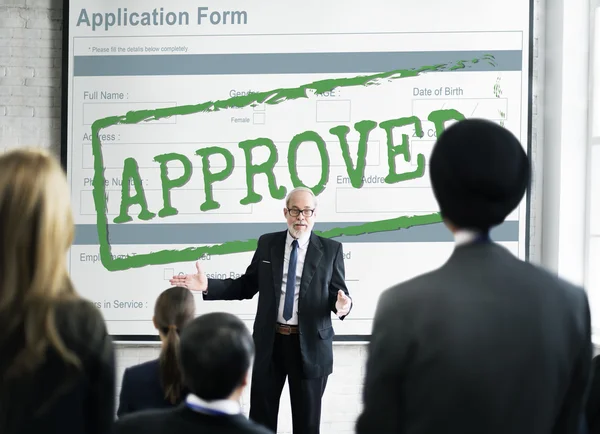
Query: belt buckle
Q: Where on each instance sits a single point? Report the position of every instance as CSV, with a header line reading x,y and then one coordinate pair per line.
x,y
285,329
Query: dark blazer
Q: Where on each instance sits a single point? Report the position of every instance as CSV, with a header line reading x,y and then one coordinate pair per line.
x,y
322,276
57,399
141,389
592,412
485,344
181,420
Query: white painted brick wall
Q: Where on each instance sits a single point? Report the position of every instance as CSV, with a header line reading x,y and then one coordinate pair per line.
x,y
341,403
30,73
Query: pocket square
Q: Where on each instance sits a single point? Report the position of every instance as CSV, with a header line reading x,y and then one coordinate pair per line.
x,y
266,262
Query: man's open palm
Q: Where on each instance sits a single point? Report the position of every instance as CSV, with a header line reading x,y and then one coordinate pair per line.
x,y
193,282
343,303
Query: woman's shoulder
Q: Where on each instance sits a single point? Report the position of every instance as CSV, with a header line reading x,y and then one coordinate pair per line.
x,y
78,310
142,373
144,368
80,323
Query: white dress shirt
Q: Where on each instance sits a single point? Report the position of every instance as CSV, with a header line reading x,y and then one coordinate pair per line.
x,y
464,236
226,406
302,248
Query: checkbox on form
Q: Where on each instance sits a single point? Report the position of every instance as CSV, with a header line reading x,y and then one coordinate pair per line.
x,y
259,118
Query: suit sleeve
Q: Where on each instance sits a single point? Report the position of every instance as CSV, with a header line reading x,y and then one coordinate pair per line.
x,y
137,423
101,409
243,288
387,357
124,401
592,411
573,411
338,280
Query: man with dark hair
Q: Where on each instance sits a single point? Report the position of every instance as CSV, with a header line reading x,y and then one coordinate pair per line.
x,y
486,343
216,354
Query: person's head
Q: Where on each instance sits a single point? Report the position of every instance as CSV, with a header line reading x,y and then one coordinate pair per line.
x,y
216,353
173,310
300,211
479,173
36,230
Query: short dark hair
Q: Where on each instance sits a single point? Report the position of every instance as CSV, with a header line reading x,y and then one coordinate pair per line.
x,y
215,354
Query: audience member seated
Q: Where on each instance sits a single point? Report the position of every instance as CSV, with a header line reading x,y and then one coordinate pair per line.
x,y
216,354
158,384
56,358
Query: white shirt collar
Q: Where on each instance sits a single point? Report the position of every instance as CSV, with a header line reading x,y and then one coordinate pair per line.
x,y
302,241
226,406
464,236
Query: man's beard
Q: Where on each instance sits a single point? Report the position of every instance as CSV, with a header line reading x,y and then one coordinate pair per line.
x,y
296,231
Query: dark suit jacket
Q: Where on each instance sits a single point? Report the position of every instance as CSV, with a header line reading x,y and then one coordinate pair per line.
x,y
141,389
56,399
181,420
485,344
592,412
322,276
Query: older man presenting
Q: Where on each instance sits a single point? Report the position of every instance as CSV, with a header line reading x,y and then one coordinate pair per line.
x,y
300,279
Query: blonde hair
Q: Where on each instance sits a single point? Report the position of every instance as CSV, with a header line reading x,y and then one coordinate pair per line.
x,y
36,230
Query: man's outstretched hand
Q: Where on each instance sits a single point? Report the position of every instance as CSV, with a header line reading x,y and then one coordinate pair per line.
x,y
193,282
343,303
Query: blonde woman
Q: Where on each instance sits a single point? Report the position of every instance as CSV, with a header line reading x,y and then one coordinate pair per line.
x,y
56,359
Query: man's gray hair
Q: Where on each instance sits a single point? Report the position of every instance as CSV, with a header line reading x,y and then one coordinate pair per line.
x,y
297,190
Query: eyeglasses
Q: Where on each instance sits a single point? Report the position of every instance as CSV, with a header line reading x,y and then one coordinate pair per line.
x,y
295,212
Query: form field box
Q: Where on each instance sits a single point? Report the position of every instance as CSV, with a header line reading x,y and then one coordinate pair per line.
x,y
487,108
424,147
99,110
114,155
258,118
186,201
395,200
334,110
168,273
308,154
259,107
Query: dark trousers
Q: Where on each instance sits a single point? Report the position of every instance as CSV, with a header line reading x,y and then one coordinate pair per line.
x,y
305,394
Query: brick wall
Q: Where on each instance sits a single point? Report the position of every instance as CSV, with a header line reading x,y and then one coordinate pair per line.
x,y
30,69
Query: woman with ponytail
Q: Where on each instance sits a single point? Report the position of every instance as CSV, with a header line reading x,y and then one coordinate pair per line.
x,y
158,383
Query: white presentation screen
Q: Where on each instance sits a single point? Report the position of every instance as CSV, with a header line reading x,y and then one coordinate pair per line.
x,y
189,121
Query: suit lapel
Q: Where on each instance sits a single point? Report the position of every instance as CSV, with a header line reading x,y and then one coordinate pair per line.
x,y
277,252
311,262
